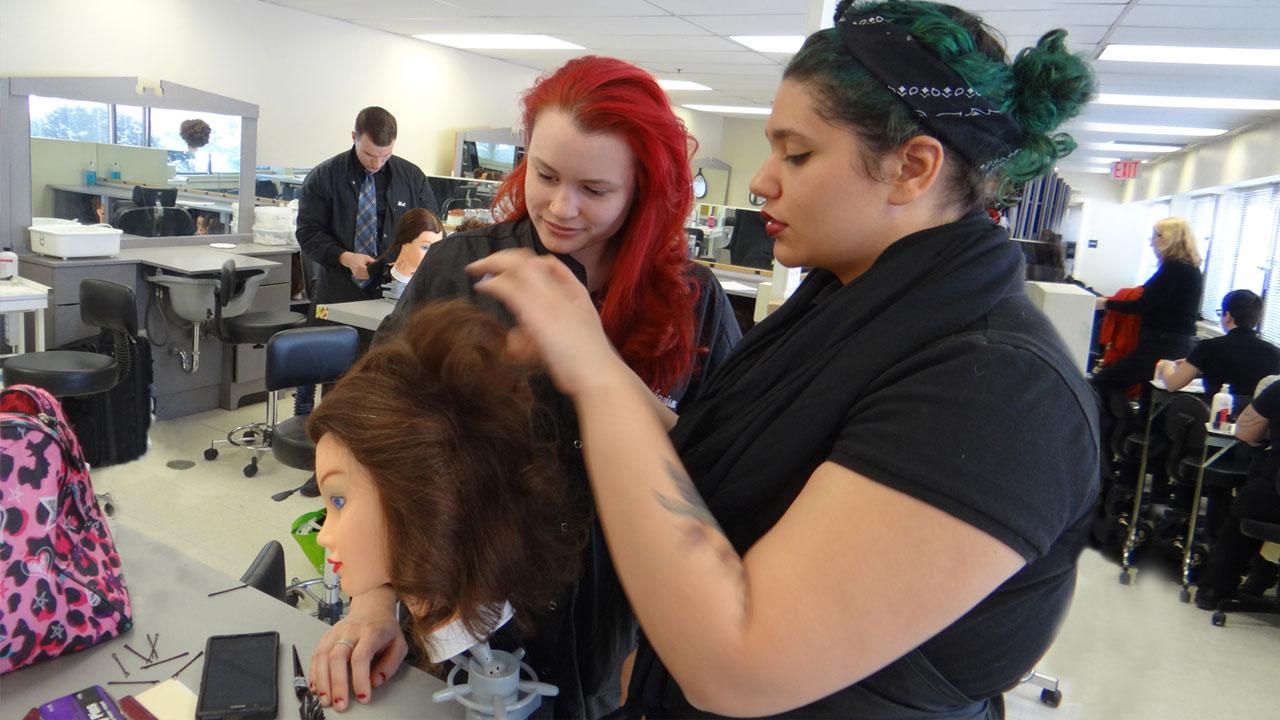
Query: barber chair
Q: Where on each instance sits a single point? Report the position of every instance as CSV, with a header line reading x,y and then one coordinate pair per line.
x,y
1267,532
64,373
301,357
257,329
156,222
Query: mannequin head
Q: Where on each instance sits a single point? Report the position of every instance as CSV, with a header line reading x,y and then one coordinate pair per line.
x,y
435,479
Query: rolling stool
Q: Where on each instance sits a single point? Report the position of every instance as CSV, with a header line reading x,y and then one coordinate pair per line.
x,y
305,357
1267,532
67,373
254,328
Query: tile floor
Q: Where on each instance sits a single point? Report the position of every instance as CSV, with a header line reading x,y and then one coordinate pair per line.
x,y
1124,653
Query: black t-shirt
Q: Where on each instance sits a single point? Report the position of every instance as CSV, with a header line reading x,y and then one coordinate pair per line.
x,y
1240,359
1170,299
1267,404
982,427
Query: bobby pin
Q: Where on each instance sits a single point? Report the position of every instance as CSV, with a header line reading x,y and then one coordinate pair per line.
x,y
144,658
120,664
184,667
154,653
161,662
238,587
133,682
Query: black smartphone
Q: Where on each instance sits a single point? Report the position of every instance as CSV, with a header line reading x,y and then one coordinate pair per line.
x,y
240,677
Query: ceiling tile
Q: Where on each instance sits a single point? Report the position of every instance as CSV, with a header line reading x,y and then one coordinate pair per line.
x,y
624,43
733,7
559,8
750,24
1206,18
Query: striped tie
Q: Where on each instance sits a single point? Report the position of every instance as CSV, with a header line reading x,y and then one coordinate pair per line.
x,y
366,239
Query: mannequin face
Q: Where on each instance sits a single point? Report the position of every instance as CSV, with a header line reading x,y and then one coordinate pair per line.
x,y
354,530
412,252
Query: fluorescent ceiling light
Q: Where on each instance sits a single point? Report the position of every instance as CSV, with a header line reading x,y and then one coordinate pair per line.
x,y
1131,147
1174,101
1191,55
500,42
1085,169
1149,129
680,85
740,109
1073,156
770,43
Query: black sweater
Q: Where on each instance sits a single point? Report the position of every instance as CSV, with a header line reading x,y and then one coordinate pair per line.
x,y
1170,299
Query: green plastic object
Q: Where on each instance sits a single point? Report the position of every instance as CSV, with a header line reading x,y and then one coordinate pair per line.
x,y
305,529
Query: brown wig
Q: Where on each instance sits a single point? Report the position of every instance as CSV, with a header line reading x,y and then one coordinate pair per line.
x,y
443,420
413,223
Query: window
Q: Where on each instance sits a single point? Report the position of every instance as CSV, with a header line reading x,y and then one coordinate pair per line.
x,y
130,126
1244,253
70,120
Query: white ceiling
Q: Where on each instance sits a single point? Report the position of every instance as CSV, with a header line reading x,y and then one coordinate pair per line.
x,y
689,39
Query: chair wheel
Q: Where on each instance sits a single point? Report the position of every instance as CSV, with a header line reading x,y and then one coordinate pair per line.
x,y
292,597
1125,578
1220,618
1052,698
1185,595
211,454
251,470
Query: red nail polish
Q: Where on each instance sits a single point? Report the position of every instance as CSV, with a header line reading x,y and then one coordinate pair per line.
x,y
361,696
320,694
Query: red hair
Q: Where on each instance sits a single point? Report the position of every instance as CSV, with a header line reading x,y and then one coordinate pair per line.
x,y
647,308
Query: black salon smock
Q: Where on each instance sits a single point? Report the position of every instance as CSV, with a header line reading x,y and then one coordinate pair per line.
x,y
932,374
583,637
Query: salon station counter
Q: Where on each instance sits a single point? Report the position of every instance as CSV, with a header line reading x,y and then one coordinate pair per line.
x,y
170,597
226,373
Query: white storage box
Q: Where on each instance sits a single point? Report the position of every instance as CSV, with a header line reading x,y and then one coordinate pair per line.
x,y
74,241
274,236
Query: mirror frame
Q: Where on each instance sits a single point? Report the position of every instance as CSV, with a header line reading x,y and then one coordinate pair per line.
x,y
15,136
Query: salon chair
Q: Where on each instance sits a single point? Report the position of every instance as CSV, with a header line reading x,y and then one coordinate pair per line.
x,y
1267,532
301,357
250,328
65,373
156,222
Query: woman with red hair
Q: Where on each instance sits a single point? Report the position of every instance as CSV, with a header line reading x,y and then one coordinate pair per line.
x,y
605,187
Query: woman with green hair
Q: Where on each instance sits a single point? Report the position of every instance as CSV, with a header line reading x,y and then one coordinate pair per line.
x,y
875,508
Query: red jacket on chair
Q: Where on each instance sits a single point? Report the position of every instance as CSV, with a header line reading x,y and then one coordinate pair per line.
x,y
1118,335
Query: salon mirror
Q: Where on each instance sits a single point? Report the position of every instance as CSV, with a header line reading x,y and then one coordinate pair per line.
x,y
81,145
119,147
710,180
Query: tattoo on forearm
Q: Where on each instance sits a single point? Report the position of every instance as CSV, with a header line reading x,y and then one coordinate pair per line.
x,y
704,530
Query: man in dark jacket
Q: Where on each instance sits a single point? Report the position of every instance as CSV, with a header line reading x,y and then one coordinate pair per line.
x,y
349,206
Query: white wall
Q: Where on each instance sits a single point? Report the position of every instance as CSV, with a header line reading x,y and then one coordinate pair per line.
x,y
308,75
706,128
745,148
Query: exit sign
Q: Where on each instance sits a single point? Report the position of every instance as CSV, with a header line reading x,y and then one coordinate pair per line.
x,y
1125,169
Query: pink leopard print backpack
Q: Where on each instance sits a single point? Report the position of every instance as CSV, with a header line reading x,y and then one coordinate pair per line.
x,y
61,590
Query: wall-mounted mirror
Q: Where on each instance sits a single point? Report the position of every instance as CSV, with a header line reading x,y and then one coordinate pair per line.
x,y
486,154
153,159
711,176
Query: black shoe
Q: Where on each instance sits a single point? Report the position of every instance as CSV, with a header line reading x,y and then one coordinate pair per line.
x,y
1261,579
1207,598
310,488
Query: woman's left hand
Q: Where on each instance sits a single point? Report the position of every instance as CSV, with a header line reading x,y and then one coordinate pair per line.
x,y
556,322
1101,302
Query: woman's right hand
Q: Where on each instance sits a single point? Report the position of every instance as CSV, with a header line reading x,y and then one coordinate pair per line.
x,y
360,652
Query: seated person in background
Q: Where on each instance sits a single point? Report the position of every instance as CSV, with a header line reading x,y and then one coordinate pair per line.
x,y
1258,499
1240,358
436,485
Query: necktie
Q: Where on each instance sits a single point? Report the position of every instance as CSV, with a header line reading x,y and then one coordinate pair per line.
x,y
366,238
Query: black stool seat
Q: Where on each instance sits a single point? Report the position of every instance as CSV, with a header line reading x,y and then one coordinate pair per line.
x,y
291,445
65,373
1269,532
256,328
1214,476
